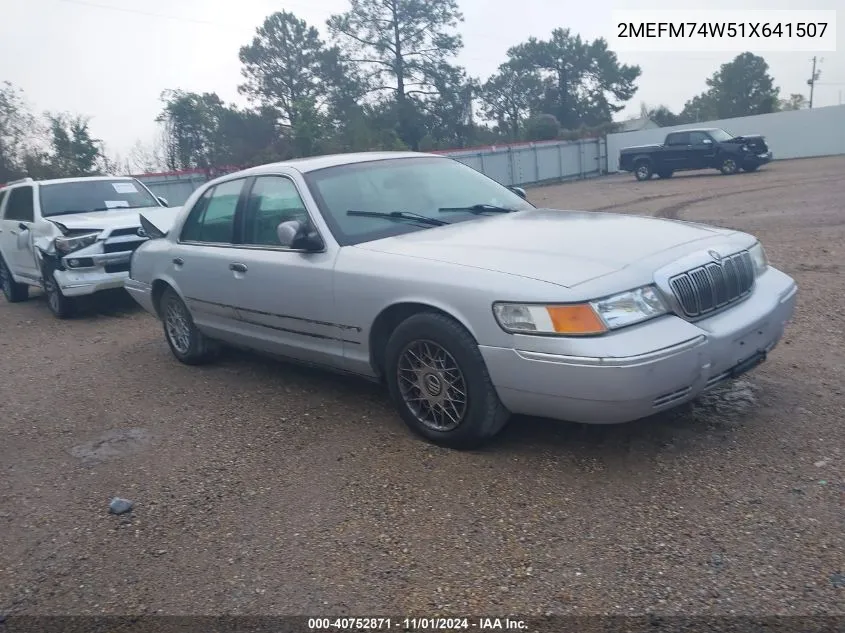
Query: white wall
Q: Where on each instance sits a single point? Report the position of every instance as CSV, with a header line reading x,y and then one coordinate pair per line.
x,y
793,134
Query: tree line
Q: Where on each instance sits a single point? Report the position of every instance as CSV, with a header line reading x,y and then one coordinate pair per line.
x,y
385,77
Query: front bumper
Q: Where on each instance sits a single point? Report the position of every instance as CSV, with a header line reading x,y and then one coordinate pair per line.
x,y
758,159
75,283
86,273
623,381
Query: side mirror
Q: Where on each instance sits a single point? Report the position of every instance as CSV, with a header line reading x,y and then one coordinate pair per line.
x,y
707,141
520,192
295,234
163,201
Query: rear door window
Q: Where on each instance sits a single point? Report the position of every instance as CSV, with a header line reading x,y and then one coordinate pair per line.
x,y
19,207
212,220
678,138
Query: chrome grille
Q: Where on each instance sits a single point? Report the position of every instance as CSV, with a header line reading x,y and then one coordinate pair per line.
x,y
714,285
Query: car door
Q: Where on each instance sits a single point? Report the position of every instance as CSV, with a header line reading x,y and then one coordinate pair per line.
x,y
18,221
200,258
5,235
676,150
284,296
702,150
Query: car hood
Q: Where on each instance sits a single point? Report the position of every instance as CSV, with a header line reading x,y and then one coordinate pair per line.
x,y
111,219
560,247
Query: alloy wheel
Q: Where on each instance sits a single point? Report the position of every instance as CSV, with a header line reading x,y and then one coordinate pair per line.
x,y
52,291
432,385
177,326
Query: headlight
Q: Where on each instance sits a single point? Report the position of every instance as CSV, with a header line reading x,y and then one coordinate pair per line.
x,y
594,317
758,256
65,245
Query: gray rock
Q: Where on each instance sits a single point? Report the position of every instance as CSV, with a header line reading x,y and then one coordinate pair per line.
x,y
120,506
838,580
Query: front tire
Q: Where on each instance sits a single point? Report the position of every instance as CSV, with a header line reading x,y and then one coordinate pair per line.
x,y
13,291
729,166
642,170
61,306
186,342
439,383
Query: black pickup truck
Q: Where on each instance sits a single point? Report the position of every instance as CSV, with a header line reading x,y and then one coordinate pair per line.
x,y
705,148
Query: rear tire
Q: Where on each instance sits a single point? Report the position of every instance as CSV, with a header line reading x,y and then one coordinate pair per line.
x,y
439,382
12,290
188,344
642,170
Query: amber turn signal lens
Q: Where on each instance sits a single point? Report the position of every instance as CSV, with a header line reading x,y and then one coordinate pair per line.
x,y
575,319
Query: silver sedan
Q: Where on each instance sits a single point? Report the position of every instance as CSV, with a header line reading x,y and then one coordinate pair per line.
x,y
469,302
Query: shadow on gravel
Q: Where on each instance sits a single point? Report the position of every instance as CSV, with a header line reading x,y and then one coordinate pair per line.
x,y
693,175
108,303
709,420
704,422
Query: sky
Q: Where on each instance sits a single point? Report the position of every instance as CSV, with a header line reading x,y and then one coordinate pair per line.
x,y
111,59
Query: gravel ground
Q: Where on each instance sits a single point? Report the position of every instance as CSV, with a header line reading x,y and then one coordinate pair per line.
x,y
265,488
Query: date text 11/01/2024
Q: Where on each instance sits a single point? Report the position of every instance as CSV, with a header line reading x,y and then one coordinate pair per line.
x,y
414,624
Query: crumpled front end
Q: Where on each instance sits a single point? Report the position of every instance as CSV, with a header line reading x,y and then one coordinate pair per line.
x,y
101,265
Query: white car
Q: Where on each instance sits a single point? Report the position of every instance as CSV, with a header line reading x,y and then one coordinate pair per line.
x,y
70,236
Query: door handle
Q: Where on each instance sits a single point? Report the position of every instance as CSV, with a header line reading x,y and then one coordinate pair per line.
x,y
238,268
178,261
13,232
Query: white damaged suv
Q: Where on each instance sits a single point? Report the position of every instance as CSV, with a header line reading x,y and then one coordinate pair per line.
x,y
71,236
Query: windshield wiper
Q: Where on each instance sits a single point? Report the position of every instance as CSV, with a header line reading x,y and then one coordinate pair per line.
x,y
400,215
477,209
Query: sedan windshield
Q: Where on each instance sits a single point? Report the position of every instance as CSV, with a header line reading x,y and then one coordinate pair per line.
x,y
720,136
85,196
425,186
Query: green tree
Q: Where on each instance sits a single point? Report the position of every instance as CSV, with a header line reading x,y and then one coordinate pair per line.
x,y
544,127
17,129
508,95
584,83
250,137
284,66
448,117
402,46
741,87
795,101
202,132
74,151
663,116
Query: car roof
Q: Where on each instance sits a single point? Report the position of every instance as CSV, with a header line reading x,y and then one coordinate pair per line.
x,y
697,129
313,163
56,181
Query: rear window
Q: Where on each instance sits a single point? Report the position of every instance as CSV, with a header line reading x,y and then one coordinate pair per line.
x,y
678,138
93,195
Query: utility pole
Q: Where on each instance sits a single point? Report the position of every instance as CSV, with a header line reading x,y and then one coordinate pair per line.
x,y
812,81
